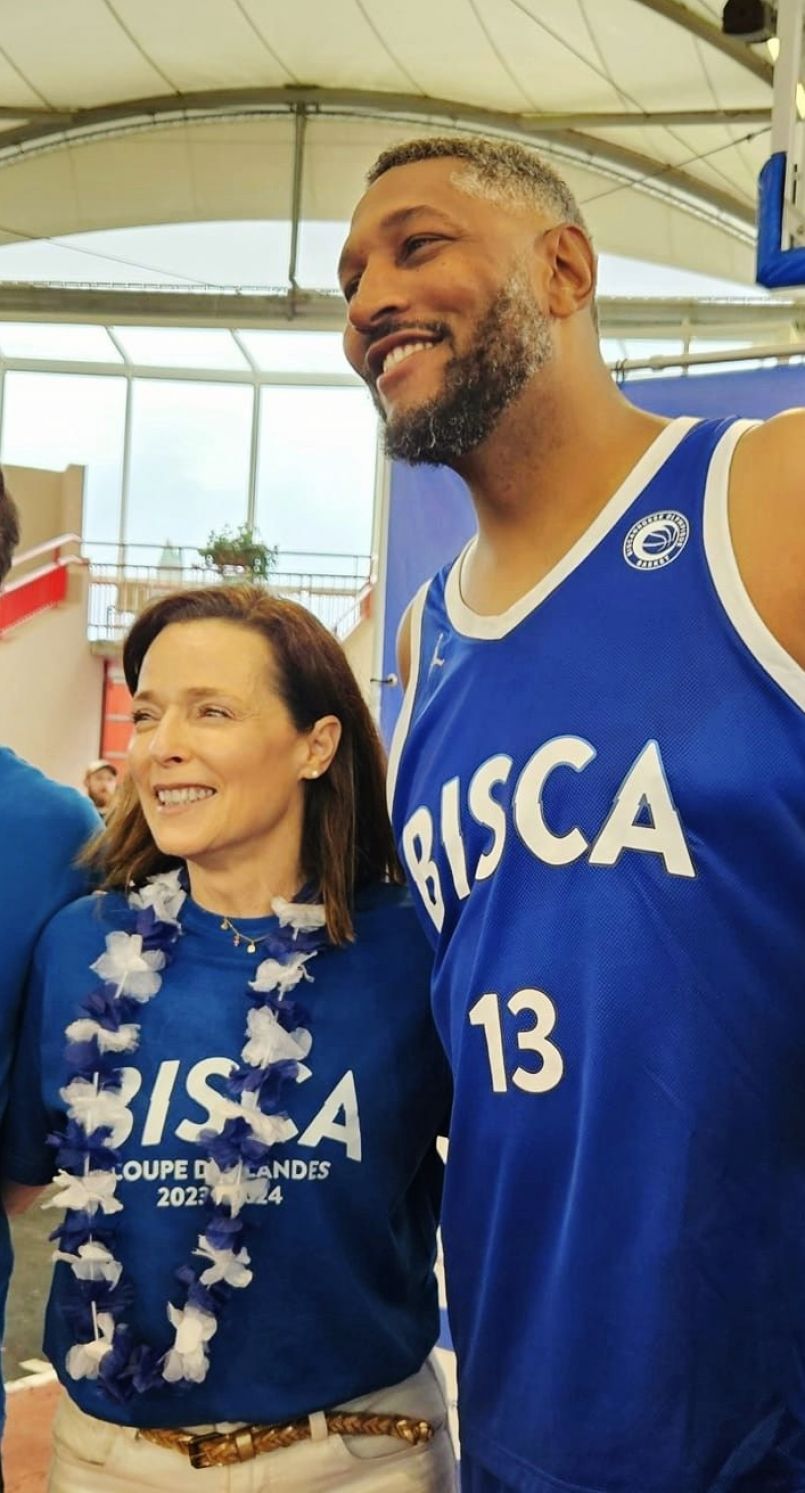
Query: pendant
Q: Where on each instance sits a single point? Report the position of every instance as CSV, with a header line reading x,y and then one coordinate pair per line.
x,y
251,948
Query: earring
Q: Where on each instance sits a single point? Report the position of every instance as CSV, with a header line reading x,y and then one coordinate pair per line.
x,y
314,772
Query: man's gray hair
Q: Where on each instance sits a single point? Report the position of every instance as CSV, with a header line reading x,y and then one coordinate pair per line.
x,y
9,529
501,169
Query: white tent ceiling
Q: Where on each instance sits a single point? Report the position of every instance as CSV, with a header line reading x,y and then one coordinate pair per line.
x,y
122,112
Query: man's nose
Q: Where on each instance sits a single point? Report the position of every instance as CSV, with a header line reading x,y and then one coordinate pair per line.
x,y
378,296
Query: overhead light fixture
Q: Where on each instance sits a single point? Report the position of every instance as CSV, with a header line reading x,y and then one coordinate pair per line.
x,y
751,20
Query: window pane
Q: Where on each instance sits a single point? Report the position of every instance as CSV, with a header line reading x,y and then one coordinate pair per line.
x,y
320,244
53,419
207,256
296,352
316,472
57,342
180,347
190,446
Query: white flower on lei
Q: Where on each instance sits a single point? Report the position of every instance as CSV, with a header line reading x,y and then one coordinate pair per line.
x,y
272,974
187,1359
233,1187
125,1039
270,1043
224,1265
84,1359
272,1130
299,915
126,966
92,1108
164,893
93,1262
87,1194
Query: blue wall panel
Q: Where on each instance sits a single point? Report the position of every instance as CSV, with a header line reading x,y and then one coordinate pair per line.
x,y
430,520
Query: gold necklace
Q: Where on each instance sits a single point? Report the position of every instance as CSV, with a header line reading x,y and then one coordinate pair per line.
x,y
227,926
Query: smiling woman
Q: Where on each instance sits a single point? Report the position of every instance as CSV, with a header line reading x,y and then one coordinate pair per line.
x,y
256,1140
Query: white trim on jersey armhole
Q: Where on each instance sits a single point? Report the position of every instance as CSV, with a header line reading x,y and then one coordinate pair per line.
x,y
732,593
406,710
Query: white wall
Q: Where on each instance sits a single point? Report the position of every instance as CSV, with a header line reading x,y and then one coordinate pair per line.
x,y
51,688
359,648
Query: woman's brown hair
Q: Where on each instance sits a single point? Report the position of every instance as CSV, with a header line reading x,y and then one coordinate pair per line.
x,y
347,840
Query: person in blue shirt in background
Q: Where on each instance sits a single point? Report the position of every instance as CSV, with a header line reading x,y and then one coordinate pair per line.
x,y
44,827
234,1043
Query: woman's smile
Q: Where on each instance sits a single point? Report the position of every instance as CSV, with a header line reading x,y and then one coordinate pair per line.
x,y
178,797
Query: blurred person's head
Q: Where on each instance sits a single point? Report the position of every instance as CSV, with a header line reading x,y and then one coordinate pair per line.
x,y
9,529
100,781
252,748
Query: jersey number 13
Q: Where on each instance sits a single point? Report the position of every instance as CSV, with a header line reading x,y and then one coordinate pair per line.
x,y
546,1075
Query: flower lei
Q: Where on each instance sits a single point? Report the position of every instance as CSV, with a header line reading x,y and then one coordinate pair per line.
x,y
97,1096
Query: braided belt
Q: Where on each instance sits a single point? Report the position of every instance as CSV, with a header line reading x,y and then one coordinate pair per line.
x,y
226,1448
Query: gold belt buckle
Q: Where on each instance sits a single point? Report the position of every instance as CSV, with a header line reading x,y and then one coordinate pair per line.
x,y
221,1448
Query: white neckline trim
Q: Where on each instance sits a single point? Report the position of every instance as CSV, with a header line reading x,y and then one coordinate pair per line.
x,y
474,625
727,579
406,709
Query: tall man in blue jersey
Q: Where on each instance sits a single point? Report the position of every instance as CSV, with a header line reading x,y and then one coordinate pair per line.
x,y
42,828
598,785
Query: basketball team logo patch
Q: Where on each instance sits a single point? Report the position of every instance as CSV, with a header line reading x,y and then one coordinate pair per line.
x,y
656,540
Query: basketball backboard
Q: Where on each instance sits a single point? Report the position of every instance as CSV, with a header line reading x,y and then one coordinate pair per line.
x,y
781,189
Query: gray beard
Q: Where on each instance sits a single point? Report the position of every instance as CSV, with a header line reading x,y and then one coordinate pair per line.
x,y
512,343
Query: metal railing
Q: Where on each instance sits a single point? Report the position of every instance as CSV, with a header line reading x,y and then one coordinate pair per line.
x,y
332,586
30,591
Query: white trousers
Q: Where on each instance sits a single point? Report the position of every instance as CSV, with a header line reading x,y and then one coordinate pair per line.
x,y
94,1456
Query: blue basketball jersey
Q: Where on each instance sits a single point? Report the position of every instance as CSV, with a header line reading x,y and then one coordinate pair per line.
x,y
599,797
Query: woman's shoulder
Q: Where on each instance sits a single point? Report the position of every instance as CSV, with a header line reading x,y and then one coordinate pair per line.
x,y
385,913
384,898
84,921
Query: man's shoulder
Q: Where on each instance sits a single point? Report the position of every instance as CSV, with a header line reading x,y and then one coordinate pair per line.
x,y
28,796
771,456
766,504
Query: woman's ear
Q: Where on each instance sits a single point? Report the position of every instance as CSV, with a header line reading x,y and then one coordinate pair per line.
x,y
322,745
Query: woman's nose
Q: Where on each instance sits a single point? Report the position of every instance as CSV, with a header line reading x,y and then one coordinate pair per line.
x,y
167,742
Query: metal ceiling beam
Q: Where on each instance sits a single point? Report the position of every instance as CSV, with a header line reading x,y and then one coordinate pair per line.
x,y
621,316
39,125
707,31
552,132
300,120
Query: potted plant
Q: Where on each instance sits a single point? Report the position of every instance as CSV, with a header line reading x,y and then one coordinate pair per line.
x,y
239,554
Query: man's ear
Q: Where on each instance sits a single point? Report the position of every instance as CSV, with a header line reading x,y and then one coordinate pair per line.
x,y
572,264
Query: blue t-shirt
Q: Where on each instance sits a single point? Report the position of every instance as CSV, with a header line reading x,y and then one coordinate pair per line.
x,y
44,825
343,1298
600,800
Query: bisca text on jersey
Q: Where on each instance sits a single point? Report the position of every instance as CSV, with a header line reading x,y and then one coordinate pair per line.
x,y
643,795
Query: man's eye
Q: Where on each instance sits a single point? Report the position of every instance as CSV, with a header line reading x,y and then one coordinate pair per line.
x,y
419,241
215,710
138,717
